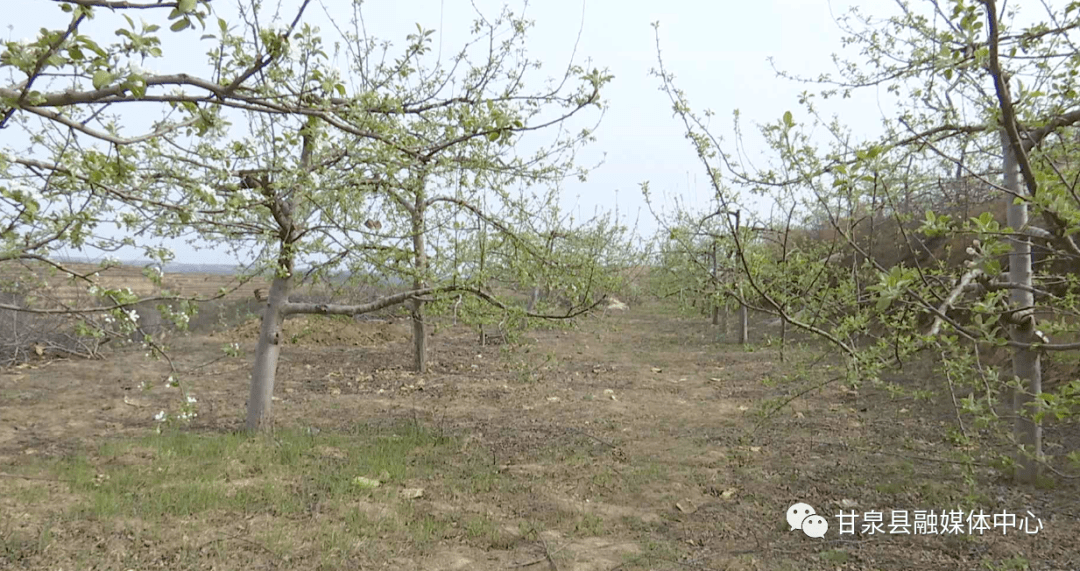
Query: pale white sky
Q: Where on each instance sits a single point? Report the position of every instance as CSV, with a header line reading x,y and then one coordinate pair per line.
x,y
718,51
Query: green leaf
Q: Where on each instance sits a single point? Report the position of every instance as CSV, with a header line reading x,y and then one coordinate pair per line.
x,y
101,78
789,121
186,6
179,25
138,86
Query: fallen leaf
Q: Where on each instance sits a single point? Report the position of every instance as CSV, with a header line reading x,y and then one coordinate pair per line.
x,y
846,503
657,370
743,408
728,493
412,493
755,449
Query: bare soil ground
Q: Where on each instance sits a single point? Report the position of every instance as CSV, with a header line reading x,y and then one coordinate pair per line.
x,y
631,441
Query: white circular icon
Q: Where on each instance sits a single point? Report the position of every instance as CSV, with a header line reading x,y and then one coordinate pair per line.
x,y
815,526
797,513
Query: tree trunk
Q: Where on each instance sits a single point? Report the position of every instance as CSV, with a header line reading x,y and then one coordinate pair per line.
x,y
419,334
420,266
743,331
1026,362
533,298
783,338
721,332
266,355
716,286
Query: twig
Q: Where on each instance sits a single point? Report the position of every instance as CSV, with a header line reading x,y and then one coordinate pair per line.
x,y
1059,473
548,554
208,363
21,477
921,458
952,393
793,397
600,440
237,538
795,551
547,557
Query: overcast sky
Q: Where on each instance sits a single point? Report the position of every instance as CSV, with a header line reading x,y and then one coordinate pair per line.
x,y
718,50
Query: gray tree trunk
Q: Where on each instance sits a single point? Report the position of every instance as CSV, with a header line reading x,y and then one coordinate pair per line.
x,y
743,330
419,333
420,266
533,298
266,355
716,286
1026,362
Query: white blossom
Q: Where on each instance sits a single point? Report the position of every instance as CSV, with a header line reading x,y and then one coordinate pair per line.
x,y
247,195
208,194
160,417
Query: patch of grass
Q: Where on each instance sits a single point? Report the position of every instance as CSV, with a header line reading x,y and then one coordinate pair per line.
x,y
652,552
589,525
937,493
184,474
1017,563
23,545
421,530
483,531
835,556
891,488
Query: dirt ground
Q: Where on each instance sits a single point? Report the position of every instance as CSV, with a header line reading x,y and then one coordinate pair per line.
x,y
634,440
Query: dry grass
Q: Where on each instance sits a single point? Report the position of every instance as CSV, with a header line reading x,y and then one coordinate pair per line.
x,y
632,441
